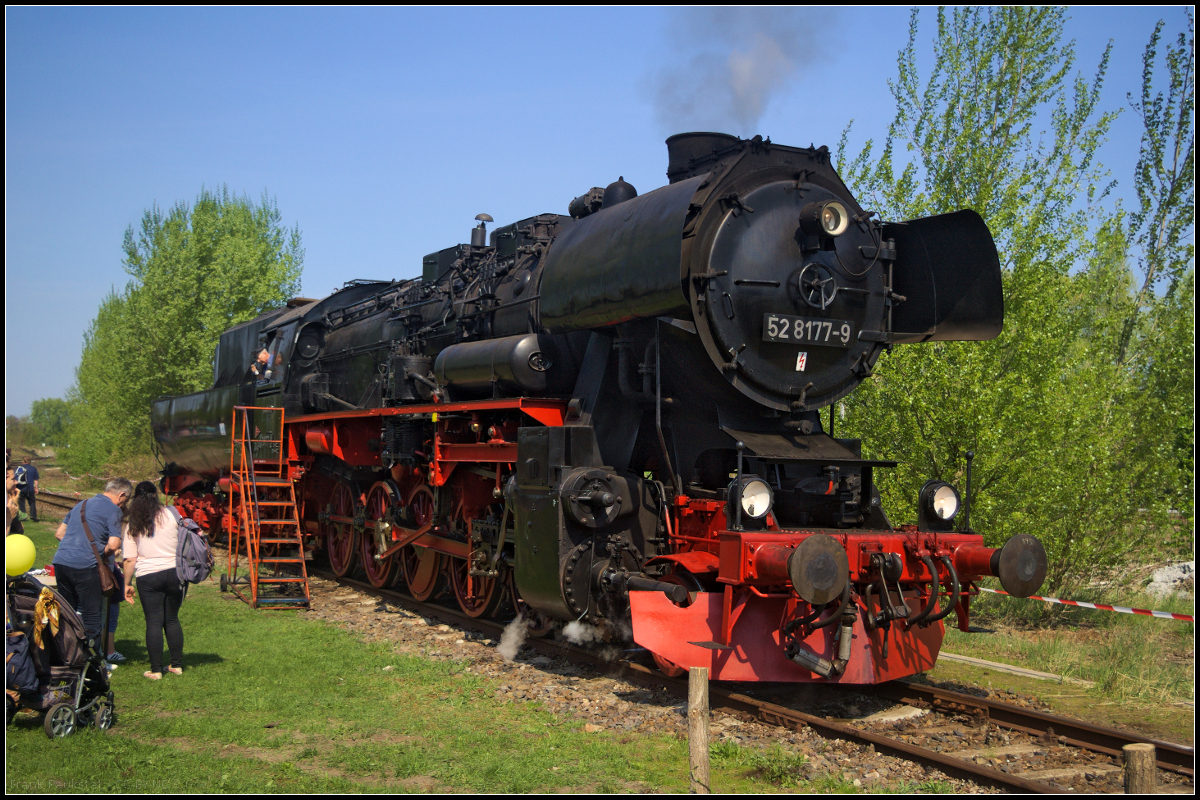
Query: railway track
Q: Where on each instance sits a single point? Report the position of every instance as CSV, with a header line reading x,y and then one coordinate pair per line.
x,y
1096,749
59,501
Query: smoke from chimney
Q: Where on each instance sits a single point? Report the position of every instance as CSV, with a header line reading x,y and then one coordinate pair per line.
x,y
726,65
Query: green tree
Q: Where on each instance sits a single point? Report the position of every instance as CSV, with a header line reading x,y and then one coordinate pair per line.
x,y
195,271
1165,177
1158,336
19,432
1047,406
52,416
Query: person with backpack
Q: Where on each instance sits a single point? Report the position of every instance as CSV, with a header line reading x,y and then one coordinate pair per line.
x,y
27,484
151,544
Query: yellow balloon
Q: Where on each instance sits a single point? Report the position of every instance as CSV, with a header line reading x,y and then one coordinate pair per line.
x,y
19,554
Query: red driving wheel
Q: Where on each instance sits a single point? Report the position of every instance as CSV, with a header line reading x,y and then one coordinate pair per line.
x,y
421,566
379,503
341,537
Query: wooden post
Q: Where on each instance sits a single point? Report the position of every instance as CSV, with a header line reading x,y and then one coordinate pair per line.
x,y
698,730
1139,769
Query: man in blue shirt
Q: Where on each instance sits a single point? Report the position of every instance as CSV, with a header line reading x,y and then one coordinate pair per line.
x,y
27,482
75,563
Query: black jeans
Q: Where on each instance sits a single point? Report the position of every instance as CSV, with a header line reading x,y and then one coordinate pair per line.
x,y
161,597
80,587
32,498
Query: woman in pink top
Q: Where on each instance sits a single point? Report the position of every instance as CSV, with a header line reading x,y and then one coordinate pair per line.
x,y
151,537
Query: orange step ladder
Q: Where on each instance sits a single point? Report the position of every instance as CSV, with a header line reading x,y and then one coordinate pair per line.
x,y
266,546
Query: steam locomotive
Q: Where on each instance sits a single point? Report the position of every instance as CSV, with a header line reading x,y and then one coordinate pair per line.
x,y
615,416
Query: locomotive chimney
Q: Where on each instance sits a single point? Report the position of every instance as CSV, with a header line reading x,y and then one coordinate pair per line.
x,y
479,232
687,151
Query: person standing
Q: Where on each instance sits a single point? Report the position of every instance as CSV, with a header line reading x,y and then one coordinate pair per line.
x,y
27,484
114,612
151,538
75,567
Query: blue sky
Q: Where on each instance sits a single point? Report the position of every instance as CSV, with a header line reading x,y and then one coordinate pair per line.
x,y
383,132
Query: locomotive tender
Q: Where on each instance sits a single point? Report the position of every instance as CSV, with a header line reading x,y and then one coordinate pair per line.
x,y
614,416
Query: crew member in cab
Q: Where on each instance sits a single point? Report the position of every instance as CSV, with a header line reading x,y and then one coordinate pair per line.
x,y
260,368
257,374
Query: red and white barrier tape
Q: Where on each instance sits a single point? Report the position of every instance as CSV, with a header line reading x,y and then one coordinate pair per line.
x,y
1102,607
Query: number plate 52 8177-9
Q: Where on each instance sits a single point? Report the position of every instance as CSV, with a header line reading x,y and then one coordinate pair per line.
x,y
801,330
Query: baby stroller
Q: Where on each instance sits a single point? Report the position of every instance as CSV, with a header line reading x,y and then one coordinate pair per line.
x,y
66,678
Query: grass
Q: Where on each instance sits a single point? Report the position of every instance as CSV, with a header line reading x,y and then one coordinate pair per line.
x,y
282,702
1130,658
55,477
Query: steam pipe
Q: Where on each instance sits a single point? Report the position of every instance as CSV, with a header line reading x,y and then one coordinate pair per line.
x,y
645,370
919,619
420,378
792,624
658,415
675,592
837,614
954,593
338,400
631,394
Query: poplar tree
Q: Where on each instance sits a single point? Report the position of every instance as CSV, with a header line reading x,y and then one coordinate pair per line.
x,y
194,272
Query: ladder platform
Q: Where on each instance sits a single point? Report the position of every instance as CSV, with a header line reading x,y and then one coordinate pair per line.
x,y
259,470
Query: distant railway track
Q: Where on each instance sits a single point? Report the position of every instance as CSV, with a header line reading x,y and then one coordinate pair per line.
x,y
1048,729
64,502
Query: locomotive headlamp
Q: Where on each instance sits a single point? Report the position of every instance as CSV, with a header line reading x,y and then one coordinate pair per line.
x,y
826,218
945,502
757,497
938,504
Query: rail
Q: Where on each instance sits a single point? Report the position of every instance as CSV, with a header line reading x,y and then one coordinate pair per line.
x,y
65,502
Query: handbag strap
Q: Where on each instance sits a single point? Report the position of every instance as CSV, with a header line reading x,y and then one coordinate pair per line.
x,y
87,529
